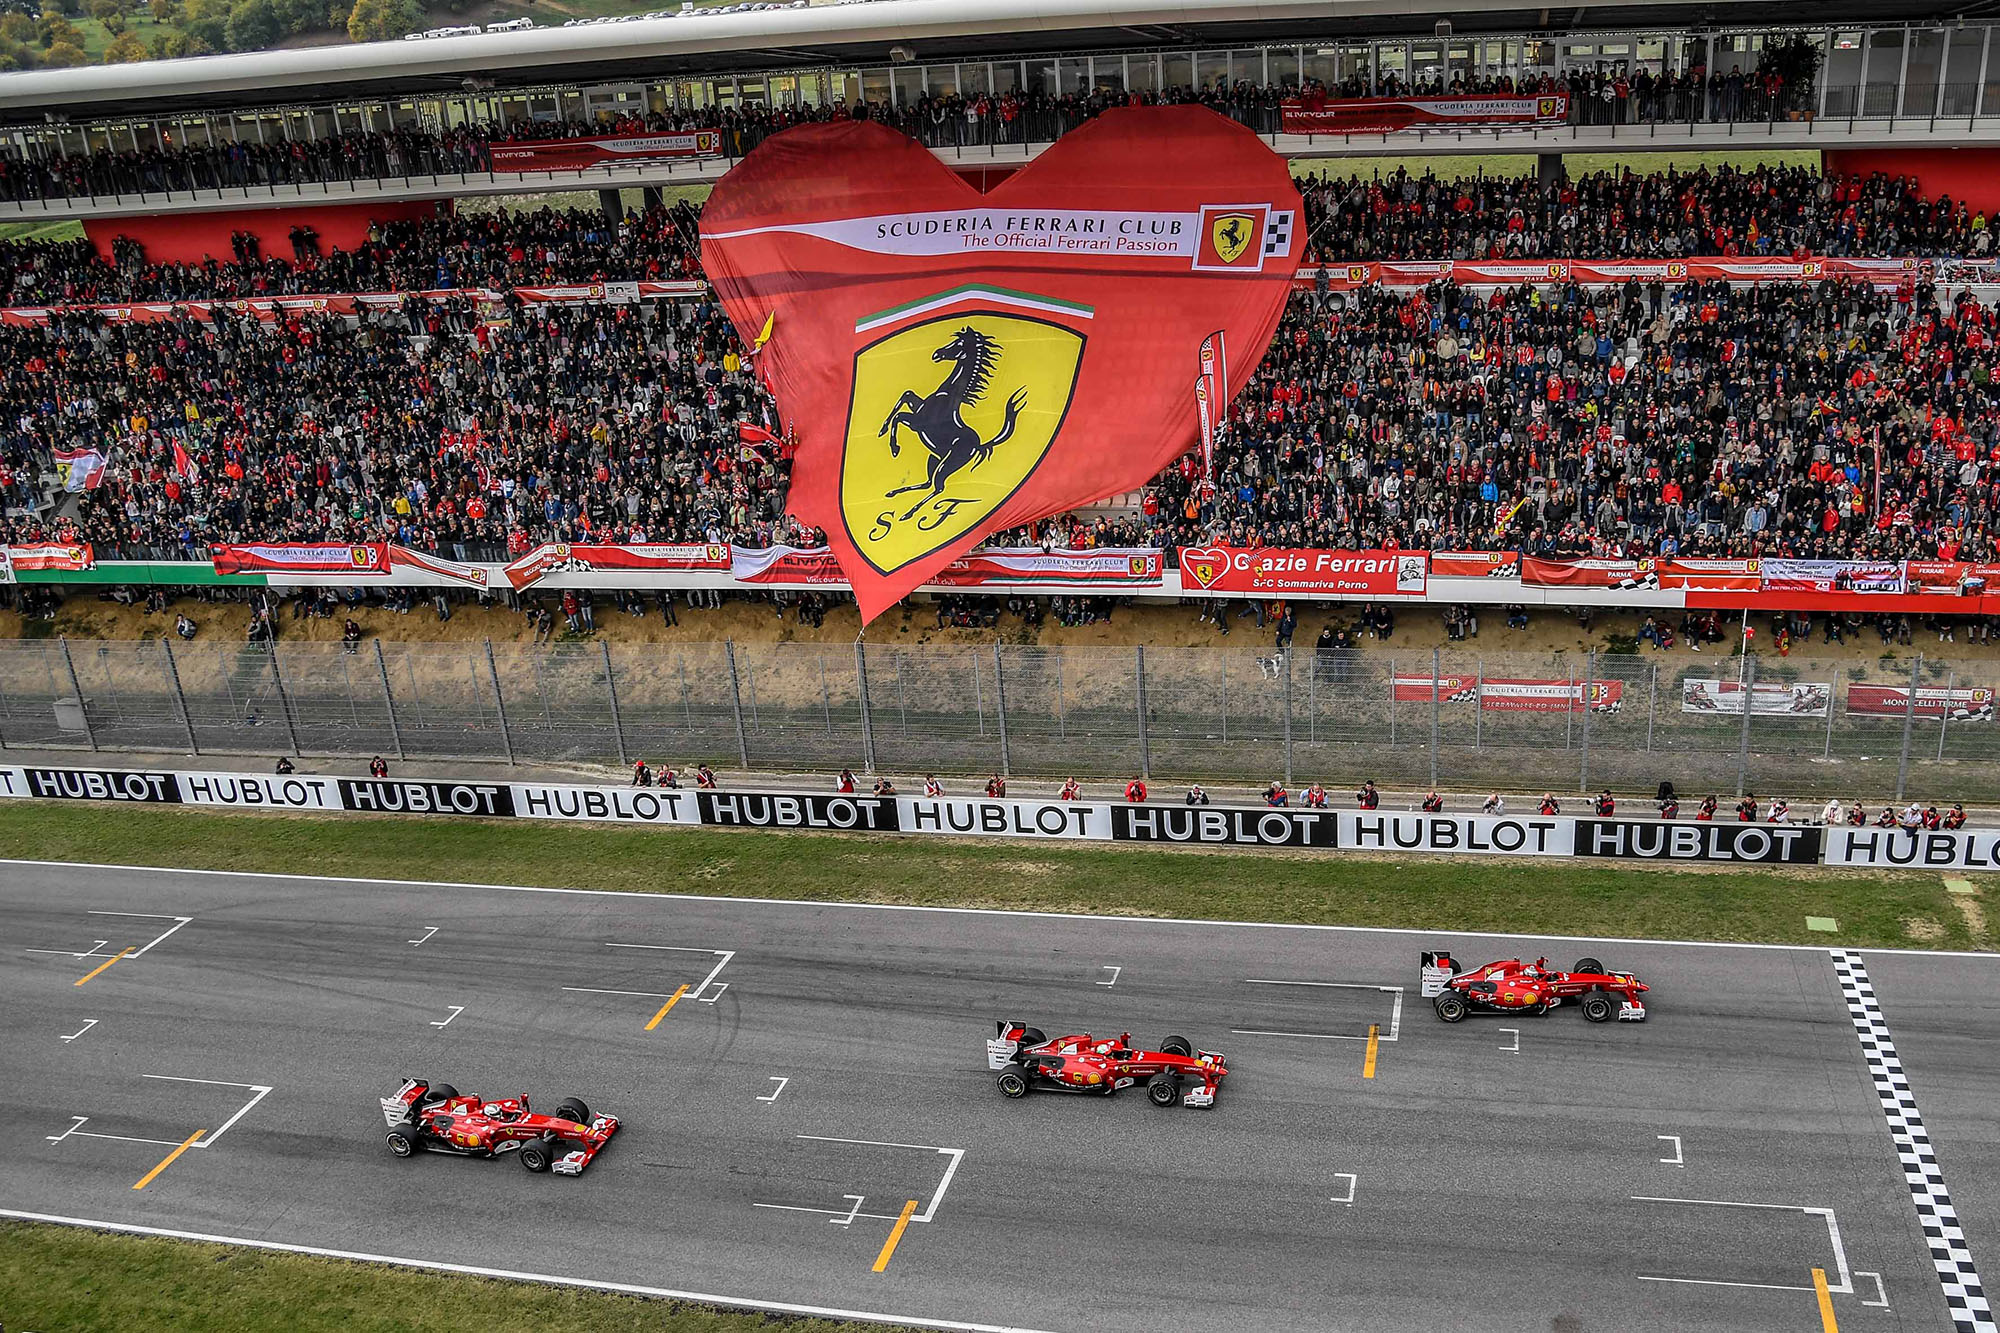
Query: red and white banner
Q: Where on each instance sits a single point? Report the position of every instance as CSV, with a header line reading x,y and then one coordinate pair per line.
x,y
1953,578
80,469
1609,272
1766,699
785,564
458,572
1031,567
1621,574
69,557
1516,696
367,558
1973,705
1708,575
1820,576
567,557
610,149
1382,115
1475,564
1273,571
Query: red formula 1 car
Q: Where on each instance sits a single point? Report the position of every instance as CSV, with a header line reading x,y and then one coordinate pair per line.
x,y
1025,1059
427,1117
1512,986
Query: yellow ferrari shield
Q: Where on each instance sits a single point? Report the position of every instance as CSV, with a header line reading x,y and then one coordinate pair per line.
x,y
1231,233
949,418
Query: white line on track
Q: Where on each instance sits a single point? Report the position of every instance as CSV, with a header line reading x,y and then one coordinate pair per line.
x,y
1843,1287
1987,955
1395,1011
1114,971
178,921
627,1288
593,990
724,954
88,1024
957,1155
260,1089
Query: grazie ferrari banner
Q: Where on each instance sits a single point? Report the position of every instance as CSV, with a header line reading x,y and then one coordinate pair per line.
x,y
1281,572
957,363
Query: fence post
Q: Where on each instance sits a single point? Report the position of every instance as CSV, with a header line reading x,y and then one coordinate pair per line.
x,y
867,723
388,698
284,699
76,689
611,689
1392,703
1652,701
499,703
1436,687
825,699
1225,698
1749,678
1139,683
1589,684
736,702
1944,711
1479,708
1288,715
1826,751
1909,724
1000,710
180,695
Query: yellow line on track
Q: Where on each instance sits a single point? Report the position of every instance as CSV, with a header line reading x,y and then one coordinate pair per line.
x,y
676,999
101,966
895,1236
1826,1323
147,1179
1368,1061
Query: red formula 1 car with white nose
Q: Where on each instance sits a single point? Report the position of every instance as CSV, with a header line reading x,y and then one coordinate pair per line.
x,y
434,1117
1025,1058
1512,986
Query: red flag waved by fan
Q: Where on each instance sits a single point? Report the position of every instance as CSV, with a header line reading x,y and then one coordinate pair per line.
x,y
955,363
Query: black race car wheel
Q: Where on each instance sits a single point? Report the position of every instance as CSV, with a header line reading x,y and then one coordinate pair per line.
x,y
1598,1007
1013,1081
1450,1007
536,1154
573,1110
1032,1037
403,1141
1587,965
1163,1089
438,1092
1177,1046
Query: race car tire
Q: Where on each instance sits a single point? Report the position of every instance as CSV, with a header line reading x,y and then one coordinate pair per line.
x,y
1032,1037
1177,1045
1598,1007
1587,965
573,1110
1163,1089
438,1092
1013,1081
536,1154
403,1141
1450,1008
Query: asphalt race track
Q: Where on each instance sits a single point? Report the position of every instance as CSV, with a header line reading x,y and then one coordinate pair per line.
x,y
823,1073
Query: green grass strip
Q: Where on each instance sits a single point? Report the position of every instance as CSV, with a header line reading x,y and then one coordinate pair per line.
x,y
1904,909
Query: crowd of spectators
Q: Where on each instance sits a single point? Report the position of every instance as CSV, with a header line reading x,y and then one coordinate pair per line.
x,y
1613,93
1813,420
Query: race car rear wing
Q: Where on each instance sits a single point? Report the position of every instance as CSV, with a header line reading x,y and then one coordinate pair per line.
x,y
1001,1049
396,1109
1438,969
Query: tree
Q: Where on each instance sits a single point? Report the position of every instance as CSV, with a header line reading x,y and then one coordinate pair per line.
x,y
211,30
383,20
252,26
100,9
173,45
301,16
58,29
18,55
62,55
163,11
16,27
124,49
113,24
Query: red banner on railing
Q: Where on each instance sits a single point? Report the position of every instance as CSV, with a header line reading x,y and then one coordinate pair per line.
x,y
1273,571
1953,578
785,564
578,154
1516,696
70,557
566,557
1625,575
366,558
1109,567
1383,115
1970,705
1475,564
1707,575
1820,576
1612,272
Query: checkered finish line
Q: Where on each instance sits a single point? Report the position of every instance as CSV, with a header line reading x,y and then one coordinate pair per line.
x,y
1963,1293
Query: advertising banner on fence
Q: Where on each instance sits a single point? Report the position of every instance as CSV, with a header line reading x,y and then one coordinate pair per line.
x,y
1708,575
1106,567
1275,571
1970,705
71,557
1873,576
1665,840
1485,834
1516,696
785,564
573,557
605,150
364,559
1766,699
1954,578
1382,115
1475,564
1622,574
456,571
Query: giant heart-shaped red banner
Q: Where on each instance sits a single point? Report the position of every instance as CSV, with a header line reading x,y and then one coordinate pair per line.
x,y
955,363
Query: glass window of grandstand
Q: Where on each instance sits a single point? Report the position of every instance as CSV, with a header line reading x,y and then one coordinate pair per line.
x,y
1142,73
1008,77
1321,63
1392,68
875,86
1107,76
1246,67
751,92
1884,73
975,82
1282,62
1650,54
1176,71
1073,76
1458,65
1427,72
1211,68
941,80
1964,51
1924,77
784,89
908,81
1842,74
1537,60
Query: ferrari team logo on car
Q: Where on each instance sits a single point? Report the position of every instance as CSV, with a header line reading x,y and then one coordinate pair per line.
x,y
949,417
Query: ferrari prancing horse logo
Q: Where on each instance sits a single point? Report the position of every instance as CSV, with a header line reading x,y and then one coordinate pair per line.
x,y
1231,234
929,456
